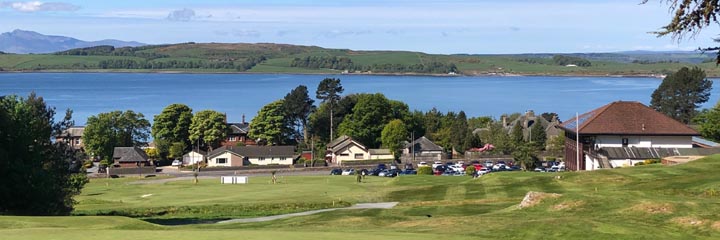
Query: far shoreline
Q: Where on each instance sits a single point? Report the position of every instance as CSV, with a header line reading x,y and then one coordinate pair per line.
x,y
656,76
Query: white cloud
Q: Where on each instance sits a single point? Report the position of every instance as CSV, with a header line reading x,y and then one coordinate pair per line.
x,y
37,6
182,15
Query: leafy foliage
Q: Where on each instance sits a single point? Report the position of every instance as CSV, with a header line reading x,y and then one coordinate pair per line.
x,y
298,105
526,155
538,135
690,17
106,131
367,120
329,90
172,125
709,121
271,124
36,177
393,136
563,60
209,128
424,170
681,93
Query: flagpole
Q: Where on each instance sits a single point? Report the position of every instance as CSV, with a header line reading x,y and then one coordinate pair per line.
x,y
577,142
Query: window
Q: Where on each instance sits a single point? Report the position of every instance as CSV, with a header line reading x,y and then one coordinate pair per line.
x,y
625,142
261,159
358,156
77,141
282,159
344,154
221,160
232,139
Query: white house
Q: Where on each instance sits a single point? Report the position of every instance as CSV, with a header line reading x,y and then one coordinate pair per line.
x,y
231,156
621,134
193,157
345,148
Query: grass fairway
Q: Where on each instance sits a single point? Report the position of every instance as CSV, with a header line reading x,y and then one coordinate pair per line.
x,y
644,202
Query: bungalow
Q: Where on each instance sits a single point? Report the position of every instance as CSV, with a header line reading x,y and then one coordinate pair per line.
x,y
230,156
344,148
72,136
622,134
193,157
423,148
130,157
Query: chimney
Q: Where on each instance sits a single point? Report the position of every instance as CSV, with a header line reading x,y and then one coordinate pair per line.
x,y
504,121
243,118
529,114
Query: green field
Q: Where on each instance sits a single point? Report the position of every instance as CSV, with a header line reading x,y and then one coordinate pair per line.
x,y
279,58
644,202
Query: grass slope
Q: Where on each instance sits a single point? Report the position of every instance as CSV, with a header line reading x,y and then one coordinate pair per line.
x,y
644,202
280,56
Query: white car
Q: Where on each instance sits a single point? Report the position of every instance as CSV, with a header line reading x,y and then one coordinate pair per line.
x,y
456,168
348,172
176,163
421,164
436,164
498,167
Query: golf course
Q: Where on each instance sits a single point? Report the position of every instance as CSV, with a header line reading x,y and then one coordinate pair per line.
x,y
644,202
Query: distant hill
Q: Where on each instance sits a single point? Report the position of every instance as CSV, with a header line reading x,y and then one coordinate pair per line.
x,y
21,41
286,58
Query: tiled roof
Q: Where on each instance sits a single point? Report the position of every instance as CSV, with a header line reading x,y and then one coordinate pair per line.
x,y
424,144
627,118
381,151
650,153
337,141
129,154
75,131
238,128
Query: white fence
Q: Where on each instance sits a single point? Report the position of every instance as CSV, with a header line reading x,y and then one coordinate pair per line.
x,y
233,179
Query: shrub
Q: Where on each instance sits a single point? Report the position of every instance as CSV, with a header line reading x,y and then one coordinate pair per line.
x,y
424,170
651,161
470,170
640,163
104,163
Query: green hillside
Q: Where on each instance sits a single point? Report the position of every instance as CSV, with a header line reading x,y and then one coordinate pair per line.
x,y
284,58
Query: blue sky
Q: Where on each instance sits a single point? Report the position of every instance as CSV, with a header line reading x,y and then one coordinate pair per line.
x,y
433,26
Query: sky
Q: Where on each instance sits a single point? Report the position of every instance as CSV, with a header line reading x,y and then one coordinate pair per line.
x,y
431,26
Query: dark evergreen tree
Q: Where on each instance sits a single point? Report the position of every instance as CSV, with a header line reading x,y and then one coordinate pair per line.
x,y
681,93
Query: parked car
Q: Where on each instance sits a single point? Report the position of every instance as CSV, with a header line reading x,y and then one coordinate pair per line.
x,y
348,171
364,172
489,163
392,173
540,169
436,164
498,167
336,171
421,164
483,171
457,168
381,166
409,166
408,172
374,172
383,172
176,163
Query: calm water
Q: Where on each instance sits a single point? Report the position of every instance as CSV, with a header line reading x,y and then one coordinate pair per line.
x,y
237,94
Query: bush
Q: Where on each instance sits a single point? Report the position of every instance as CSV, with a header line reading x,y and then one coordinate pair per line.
x,y
424,170
470,170
640,163
651,161
104,163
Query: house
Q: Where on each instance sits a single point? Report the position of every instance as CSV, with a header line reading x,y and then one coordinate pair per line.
x,y
130,157
344,148
233,156
422,148
73,137
238,133
622,134
528,120
193,157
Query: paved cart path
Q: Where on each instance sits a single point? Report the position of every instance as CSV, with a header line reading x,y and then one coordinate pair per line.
x,y
382,205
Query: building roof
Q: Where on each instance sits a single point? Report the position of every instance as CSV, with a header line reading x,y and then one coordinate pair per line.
x,y
423,144
381,151
627,118
201,152
704,142
337,141
238,128
342,142
256,151
129,154
74,131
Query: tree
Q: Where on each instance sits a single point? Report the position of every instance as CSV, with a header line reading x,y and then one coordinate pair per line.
x,y
537,135
516,134
498,137
36,177
549,116
320,119
556,144
681,93
271,124
367,120
690,17
709,121
393,135
298,106
329,91
209,128
525,154
479,122
106,131
177,150
172,125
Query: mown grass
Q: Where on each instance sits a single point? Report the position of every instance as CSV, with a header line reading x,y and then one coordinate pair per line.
x,y
644,202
